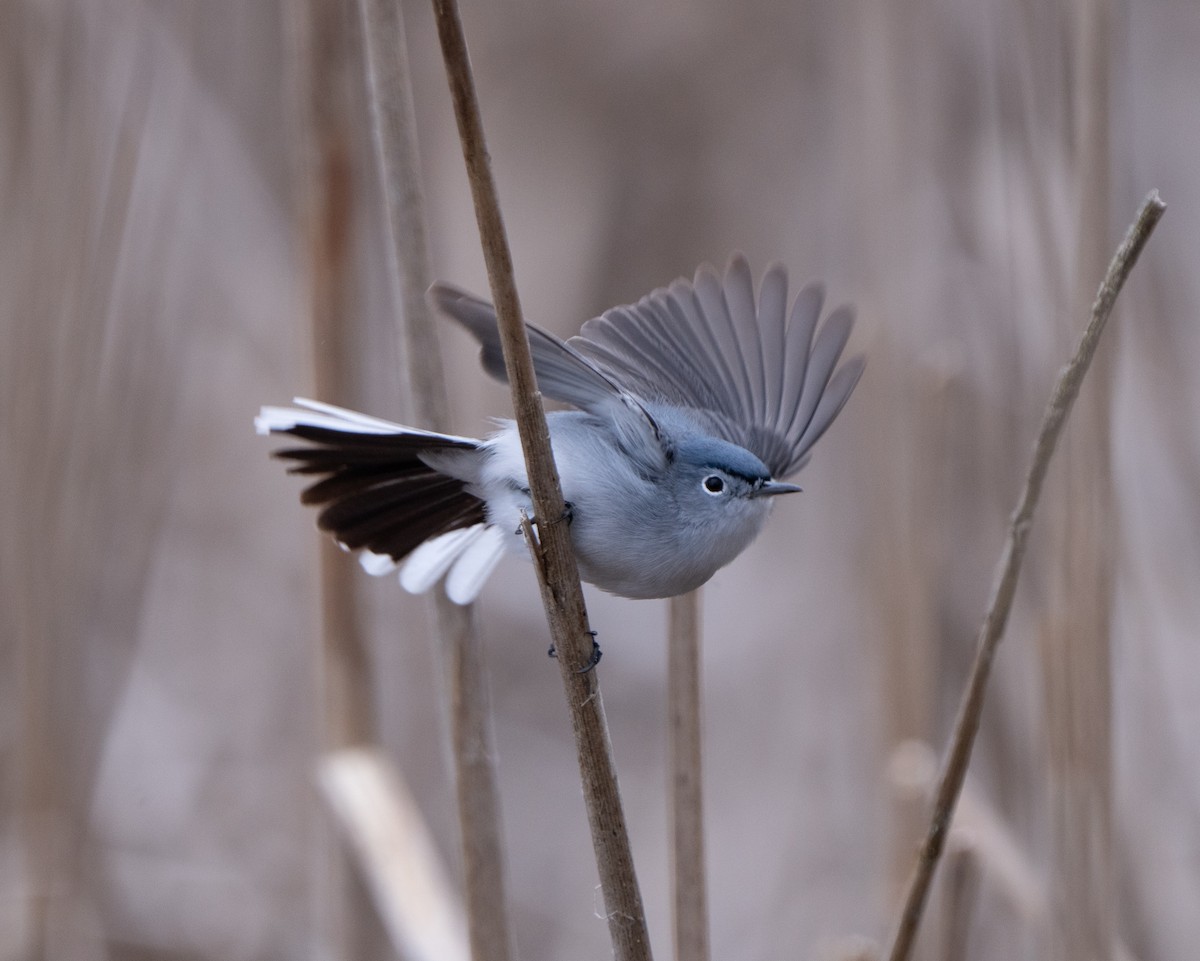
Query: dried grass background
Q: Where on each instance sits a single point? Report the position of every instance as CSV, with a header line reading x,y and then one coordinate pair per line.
x,y
158,616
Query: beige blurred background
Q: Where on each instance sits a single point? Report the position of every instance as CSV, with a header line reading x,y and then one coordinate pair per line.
x,y
159,699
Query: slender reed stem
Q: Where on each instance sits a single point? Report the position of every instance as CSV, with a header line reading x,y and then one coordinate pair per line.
x,y
689,902
967,725
390,92
345,918
554,558
1076,631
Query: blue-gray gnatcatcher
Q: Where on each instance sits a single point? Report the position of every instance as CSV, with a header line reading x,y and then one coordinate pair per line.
x,y
692,406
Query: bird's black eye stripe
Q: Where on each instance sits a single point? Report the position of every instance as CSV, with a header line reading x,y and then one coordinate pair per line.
x,y
714,484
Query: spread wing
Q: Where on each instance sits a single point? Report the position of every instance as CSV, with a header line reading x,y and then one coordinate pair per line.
x,y
750,372
756,374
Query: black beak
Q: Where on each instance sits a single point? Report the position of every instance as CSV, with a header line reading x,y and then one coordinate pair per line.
x,y
771,488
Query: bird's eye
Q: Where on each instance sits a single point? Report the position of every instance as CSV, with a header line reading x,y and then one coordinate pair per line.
x,y
714,484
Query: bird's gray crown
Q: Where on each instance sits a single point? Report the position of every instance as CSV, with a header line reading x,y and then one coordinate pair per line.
x,y
703,451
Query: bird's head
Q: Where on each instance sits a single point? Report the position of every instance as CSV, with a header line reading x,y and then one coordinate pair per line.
x,y
715,478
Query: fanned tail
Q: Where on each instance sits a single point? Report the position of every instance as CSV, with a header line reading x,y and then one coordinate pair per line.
x,y
376,494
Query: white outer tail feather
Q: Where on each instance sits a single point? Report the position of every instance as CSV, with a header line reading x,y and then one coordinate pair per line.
x,y
426,565
469,554
314,413
473,567
274,419
376,564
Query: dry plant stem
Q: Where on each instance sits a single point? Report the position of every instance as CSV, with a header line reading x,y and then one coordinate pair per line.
x,y
325,200
967,725
389,88
1075,635
394,126
400,863
961,891
689,902
554,559
1006,866
345,916
478,792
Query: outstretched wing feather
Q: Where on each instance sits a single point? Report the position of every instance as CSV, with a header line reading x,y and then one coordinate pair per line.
x,y
754,373
830,341
834,398
742,317
772,340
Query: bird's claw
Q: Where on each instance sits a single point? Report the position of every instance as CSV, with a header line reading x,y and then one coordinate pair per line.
x,y
592,661
567,515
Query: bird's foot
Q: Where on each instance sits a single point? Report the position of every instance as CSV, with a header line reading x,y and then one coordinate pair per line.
x,y
592,661
567,515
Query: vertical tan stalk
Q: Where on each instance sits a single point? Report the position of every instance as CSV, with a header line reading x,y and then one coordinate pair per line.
x,y
966,726
325,191
906,594
689,901
892,153
394,126
326,210
960,893
554,559
1076,656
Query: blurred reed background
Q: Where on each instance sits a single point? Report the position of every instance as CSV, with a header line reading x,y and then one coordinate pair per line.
x,y
160,713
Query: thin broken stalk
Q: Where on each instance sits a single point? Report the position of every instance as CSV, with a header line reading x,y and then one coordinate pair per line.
x,y
553,556
395,852
390,92
967,725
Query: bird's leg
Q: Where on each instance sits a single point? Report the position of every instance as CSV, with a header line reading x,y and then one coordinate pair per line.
x,y
592,661
568,515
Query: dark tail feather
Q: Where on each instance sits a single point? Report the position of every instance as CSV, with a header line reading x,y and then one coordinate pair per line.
x,y
375,492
